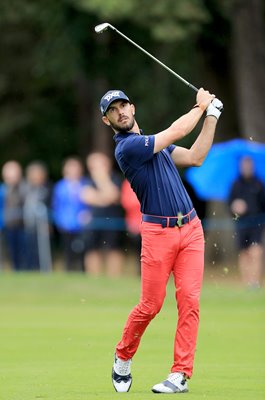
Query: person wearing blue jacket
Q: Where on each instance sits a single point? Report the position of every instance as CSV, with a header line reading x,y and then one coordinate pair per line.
x,y
70,213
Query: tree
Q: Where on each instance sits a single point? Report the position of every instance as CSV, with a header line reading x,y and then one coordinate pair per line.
x,y
54,69
248,56
39,63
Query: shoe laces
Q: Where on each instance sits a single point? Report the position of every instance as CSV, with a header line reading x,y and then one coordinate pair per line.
x,y
122,367
176,378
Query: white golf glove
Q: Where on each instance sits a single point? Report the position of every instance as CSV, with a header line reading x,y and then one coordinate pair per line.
x,y
215,108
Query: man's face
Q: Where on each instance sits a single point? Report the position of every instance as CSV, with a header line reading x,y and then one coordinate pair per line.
x,y
247,167
120,116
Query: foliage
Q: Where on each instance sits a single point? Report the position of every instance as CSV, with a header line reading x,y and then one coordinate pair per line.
x,y
168,20
54,68
39,63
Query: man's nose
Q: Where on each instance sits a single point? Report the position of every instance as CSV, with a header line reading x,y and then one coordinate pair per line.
x,y
121,111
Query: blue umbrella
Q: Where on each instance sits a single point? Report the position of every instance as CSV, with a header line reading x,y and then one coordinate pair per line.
x,y
213,180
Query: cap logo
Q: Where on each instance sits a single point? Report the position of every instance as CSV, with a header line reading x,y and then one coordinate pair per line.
x,y
109,96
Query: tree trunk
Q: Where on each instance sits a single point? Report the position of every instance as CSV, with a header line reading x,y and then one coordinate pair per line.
x,y
93,134
248,54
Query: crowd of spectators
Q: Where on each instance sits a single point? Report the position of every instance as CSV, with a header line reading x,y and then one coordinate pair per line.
x,y
80,216
91,218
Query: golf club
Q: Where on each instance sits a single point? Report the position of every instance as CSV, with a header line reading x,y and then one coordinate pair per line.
x,y
103,27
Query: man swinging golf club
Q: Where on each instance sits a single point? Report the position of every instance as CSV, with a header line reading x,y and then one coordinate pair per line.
x,y
172,235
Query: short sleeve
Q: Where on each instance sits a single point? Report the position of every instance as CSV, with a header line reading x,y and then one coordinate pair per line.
x,y
138,149
171,148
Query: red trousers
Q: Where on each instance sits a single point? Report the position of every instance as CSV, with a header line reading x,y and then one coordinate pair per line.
x,y
164,251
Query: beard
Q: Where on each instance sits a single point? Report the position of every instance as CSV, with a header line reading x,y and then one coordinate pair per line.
x,y
123,127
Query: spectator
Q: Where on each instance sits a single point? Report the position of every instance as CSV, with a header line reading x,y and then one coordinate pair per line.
x,y
104,234
14,190
133,218
36,217
247,203
70,213
1,224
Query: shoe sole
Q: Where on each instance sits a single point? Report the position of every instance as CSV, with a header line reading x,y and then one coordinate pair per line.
x,y
182,391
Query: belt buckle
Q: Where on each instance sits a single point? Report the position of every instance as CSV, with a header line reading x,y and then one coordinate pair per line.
x,y
179,220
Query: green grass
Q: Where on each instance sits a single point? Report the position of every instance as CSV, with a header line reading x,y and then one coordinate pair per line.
x,y
58,333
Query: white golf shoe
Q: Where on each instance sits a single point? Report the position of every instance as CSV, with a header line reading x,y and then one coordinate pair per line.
x,y
121,375
175,383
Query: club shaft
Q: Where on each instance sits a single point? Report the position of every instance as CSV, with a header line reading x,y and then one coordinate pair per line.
x,y
155,59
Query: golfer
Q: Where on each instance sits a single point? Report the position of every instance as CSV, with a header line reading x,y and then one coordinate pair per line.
x,y
172,235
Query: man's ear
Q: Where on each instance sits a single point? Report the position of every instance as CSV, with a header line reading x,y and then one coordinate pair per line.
x,y
105,120
133,109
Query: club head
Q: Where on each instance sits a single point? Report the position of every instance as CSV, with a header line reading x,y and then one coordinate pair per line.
x,y
102,27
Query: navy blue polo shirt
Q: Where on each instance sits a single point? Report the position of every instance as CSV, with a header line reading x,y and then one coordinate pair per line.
x,y
153,177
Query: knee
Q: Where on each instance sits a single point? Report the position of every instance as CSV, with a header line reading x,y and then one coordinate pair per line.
x,y
190,303
150,309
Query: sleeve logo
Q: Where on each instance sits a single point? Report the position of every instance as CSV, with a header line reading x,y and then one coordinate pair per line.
x,y
146,140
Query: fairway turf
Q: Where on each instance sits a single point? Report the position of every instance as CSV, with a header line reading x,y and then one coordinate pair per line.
x,y
58,333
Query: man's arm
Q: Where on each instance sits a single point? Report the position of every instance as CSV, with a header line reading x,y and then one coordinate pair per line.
x,y
185,124
105,193
197,153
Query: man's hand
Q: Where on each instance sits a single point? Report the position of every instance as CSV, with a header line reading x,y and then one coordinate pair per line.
x,y
239,207
215,108
204,98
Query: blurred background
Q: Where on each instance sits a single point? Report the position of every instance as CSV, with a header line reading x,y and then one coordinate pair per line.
x,y
54,69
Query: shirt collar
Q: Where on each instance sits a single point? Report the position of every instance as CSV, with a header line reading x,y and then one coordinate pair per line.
x,y
119,136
